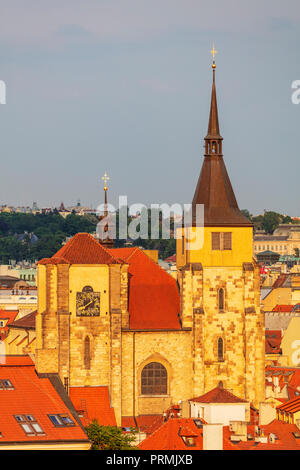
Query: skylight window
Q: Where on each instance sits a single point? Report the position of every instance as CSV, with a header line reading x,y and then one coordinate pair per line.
x,y
6,384
29,425
61,420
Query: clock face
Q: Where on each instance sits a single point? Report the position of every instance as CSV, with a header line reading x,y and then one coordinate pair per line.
x,y
87,304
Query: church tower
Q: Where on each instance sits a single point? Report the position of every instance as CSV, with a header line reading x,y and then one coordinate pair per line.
x,y
219,281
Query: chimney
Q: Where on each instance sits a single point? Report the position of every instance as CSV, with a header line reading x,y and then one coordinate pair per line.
x,y
239,429
212,436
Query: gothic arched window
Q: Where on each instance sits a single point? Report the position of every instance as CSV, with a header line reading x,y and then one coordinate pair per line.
x,y
87,353
220,350
154,379
221,299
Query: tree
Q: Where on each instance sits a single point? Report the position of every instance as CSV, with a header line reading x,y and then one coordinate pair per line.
x,y
270,221
246,213
109,437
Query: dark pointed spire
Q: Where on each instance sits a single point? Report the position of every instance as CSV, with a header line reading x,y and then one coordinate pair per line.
x,y
213,131
214,189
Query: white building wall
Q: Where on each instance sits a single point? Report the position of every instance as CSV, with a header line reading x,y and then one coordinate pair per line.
x,y
219,413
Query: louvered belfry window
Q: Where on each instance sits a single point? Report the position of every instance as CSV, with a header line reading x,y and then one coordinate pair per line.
x,y
154,379
216,241
221,241
227,241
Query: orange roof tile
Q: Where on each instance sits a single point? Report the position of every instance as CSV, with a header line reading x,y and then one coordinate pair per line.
x,y
33,396
218,395
169,436
283,308
154,301
8,315
83,248
291,406
93,403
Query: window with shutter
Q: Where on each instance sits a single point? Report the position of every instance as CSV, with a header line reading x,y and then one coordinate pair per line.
x,y
216,241
227,241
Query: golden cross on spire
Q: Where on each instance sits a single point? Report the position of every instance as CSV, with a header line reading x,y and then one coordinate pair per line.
x,y
105,179
213,52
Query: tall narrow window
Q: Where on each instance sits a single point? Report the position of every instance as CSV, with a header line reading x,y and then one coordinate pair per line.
x,y
87,353
216,240
220,350
221,299
182,244
227,241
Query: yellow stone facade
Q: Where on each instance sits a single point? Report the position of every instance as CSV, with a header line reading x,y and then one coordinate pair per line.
x,y
190,355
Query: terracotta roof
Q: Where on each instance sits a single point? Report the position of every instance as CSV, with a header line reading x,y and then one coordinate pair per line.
x,y
288,376
281,281
284,432
128,422
282,308
145,423
83,248
218,395
273,341
291,406
26,322
8,315
154,301
169,436
171,259
149,423
93,403
34,396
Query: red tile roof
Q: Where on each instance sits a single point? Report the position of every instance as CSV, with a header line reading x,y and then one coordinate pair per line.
x,y
218,395
291,406
83,248
289,376
280,281
33,396
26,322
145,423
8,315
273,341
128,422
284,431
154,301
283,308
171,259
169,436
93,403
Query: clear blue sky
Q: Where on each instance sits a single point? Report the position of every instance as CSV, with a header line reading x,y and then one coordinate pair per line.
x,y
124,86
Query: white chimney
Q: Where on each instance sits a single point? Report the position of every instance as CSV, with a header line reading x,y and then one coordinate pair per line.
x,y
212,436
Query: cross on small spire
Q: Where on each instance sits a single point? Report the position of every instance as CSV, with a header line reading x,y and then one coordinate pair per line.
x,y
105,179
213,52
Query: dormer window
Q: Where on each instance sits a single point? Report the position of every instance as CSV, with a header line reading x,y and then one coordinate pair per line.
x,y
6,384
190,441
29,425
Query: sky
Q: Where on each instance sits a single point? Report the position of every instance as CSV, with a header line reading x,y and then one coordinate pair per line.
x,y
123,87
